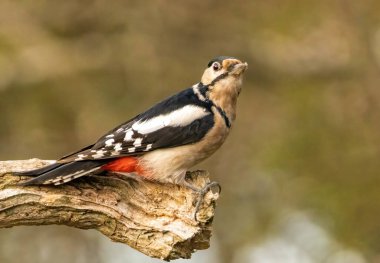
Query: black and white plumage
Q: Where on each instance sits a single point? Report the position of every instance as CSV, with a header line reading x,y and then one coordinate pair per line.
x,y
179,120
167,139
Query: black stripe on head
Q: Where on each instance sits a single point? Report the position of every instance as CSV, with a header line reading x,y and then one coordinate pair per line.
x,y
221,76
218,59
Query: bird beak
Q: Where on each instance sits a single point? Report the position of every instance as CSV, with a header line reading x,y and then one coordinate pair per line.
x,y
239,68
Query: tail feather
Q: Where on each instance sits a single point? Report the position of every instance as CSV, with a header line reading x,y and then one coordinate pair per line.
x,y
64,173
39,171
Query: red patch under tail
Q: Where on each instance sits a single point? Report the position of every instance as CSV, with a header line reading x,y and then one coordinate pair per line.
x,y
124,164
127,164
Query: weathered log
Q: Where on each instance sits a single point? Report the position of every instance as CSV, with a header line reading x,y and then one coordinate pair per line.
x,y
156,219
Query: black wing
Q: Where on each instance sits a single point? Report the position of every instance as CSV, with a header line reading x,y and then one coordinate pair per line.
x,y
126,140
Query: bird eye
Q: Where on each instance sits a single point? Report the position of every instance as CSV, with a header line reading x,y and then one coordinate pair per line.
x,y
216,66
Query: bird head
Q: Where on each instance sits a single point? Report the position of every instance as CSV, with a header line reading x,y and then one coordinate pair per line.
x,y
224,71
224,76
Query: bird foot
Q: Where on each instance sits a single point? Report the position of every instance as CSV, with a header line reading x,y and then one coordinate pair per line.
x,y
202,192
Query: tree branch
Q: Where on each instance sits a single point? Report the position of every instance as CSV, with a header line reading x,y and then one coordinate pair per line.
x,y
156,219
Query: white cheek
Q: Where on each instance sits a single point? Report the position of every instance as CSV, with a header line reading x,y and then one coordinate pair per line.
x,y
216,74
210,75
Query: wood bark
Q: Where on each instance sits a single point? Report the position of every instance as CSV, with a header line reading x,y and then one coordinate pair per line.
x,y
156,219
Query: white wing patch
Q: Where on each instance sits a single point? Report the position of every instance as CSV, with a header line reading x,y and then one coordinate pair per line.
x,y
128,135
148,147
137,142
118,147
80,157
131,149
181,117
99,154
109,142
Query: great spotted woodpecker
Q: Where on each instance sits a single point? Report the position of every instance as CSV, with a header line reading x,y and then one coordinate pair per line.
x,y
162,143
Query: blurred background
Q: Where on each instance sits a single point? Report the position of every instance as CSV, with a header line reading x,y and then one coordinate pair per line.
x,y
300,170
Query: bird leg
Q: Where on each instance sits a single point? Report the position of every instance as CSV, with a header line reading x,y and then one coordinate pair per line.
x,y
201,192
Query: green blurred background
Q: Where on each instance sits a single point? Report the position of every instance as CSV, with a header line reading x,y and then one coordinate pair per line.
x,y
300,170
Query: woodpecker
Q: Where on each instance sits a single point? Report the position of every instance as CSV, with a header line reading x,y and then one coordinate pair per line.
x,y
164,142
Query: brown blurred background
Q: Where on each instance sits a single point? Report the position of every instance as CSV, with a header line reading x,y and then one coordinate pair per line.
x,y
300,170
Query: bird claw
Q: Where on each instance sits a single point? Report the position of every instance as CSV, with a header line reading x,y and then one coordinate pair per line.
x,y
202,192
